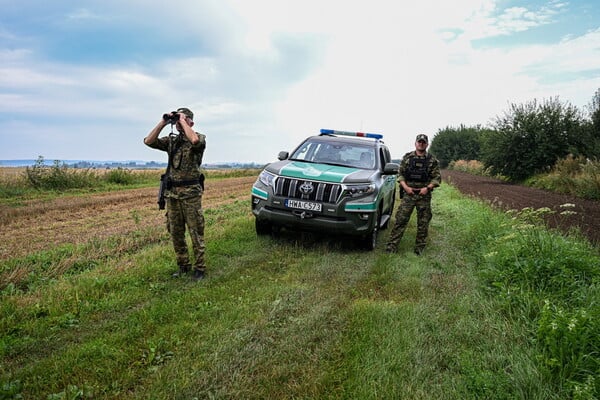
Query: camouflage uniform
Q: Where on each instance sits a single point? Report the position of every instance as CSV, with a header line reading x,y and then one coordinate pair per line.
x,y
184,198
421,202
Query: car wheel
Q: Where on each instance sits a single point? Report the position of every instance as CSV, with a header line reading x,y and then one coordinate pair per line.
x,y
262,227
370,240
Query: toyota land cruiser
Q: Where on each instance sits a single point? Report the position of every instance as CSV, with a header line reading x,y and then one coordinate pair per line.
x,y
336,182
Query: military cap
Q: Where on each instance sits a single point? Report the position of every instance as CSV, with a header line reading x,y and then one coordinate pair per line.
x,y
422,137
186,111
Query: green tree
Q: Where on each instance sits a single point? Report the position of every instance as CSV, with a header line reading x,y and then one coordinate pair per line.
x,y
593,136
451,144
531,137
594,109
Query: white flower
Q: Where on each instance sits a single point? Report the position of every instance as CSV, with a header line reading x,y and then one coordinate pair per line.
x,y
567,205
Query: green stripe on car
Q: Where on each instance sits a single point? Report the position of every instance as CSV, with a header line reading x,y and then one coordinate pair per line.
x,y
317,172
355,207
261,194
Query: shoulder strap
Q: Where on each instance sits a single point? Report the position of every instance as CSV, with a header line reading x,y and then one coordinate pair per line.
x,y
172,149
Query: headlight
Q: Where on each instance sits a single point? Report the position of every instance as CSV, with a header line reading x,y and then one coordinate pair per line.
x,y
266,178
359,190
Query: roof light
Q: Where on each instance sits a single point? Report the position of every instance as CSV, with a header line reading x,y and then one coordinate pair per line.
x,y
345,133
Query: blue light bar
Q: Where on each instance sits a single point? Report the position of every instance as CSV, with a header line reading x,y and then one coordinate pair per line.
x,y
345,133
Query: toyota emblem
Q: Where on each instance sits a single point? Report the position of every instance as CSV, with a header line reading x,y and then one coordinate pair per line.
x,y
307,188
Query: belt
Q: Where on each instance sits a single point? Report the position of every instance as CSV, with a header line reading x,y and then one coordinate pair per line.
x,y
188,182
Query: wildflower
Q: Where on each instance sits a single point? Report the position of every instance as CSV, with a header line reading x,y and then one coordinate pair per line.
x,y
567,205
567,213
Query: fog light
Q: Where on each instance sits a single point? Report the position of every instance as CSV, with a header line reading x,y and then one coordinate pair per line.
x,y
364,216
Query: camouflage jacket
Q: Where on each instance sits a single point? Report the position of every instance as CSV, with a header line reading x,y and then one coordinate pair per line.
x,y
431,166
185,160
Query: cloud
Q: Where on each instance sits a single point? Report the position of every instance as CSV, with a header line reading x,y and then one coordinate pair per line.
x,y
488,20
83,15
95,78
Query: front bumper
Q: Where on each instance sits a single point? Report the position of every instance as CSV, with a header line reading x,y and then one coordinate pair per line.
x,y
333,218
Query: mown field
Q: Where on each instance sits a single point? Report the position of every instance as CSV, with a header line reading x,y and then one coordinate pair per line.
x,y
497,308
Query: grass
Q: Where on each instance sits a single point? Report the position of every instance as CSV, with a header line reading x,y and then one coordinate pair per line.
x,y
571,175
49,182
303,316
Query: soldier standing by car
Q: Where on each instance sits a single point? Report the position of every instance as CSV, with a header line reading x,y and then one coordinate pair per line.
x,y
419,174
184,185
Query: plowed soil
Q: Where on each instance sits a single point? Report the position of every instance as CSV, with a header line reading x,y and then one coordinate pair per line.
x,y
516,197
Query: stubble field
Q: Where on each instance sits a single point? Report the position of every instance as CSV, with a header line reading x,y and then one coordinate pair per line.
x,y
40,225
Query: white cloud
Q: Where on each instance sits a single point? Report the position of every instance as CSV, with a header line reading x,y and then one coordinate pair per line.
x,y
420,82
269,73
488,20
83,14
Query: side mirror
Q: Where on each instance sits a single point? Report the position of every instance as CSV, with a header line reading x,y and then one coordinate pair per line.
x,y
283,155
391,169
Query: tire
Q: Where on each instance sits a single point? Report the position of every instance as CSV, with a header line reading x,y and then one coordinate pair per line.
x,y
262,227
370,241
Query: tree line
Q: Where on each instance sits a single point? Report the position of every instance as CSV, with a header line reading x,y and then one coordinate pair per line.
x,y
525,140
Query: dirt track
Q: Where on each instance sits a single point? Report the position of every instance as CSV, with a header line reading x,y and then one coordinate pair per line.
x,y
509,196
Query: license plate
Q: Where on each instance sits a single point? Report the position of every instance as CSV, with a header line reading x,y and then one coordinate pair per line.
x,y
303,205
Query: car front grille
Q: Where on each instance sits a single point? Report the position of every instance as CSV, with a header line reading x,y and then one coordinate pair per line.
x,y
322,191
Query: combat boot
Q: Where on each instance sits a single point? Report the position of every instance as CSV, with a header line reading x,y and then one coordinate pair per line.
x,y
183,270
198,275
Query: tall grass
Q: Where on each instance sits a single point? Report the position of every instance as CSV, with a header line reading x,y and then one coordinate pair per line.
x,y
59,177
551,281
572,175
471,166
29,182
489,311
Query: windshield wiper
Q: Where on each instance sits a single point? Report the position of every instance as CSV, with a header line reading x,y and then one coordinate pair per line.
x,y
297,159
337,164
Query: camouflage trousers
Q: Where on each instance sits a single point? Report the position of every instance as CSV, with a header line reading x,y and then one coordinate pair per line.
x,y
181,213
405,209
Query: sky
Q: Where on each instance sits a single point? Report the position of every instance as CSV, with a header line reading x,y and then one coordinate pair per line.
x,y
88,80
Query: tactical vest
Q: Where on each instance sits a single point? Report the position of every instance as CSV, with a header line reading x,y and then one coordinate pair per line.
x,y
418,169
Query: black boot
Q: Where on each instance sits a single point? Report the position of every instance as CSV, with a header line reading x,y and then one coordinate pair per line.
x,y
183,270
198,275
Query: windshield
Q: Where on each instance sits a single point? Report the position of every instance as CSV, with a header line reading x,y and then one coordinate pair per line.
x,y
344,154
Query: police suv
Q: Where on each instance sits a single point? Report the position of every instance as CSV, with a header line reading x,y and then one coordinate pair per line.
x,y
337,182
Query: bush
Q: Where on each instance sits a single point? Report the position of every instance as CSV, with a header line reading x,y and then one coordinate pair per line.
x,y
120,176
59,176
531,137
471,166
571,175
